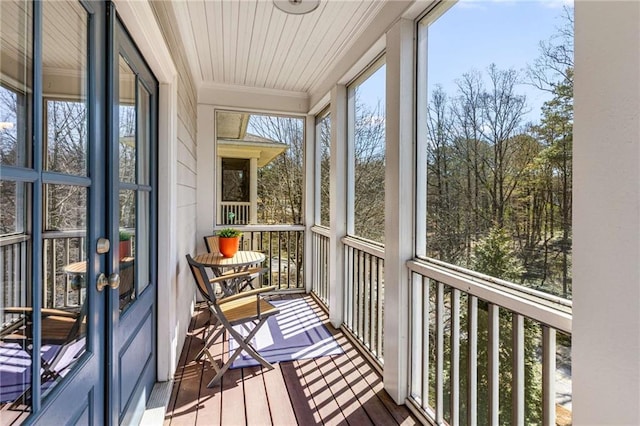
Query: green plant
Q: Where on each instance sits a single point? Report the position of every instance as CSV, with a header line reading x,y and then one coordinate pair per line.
x,y
229,233
125,235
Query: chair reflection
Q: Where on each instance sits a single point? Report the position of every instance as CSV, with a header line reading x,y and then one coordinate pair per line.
x,y
62,342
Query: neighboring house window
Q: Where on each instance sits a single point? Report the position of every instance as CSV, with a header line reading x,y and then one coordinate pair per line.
x,y
260,177
235,179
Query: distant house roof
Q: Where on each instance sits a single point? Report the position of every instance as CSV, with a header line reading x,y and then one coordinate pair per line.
x,y
251,146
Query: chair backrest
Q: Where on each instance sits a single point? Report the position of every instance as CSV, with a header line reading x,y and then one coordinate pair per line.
x,y
202,280
212,243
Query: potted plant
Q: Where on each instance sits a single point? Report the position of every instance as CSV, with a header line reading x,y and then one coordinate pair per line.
x,y
229,241
125,244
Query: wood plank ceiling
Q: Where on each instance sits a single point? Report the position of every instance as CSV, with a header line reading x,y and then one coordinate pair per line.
x,y
252,43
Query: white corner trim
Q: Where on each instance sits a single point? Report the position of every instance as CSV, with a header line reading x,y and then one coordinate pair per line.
x,y
141,23
185,28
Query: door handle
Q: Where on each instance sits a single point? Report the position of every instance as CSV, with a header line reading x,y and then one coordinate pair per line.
x,y
113,281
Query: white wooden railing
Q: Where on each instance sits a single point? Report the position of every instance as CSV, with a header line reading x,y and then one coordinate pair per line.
x,y
283,246
235,213
483,351
320,263
364,294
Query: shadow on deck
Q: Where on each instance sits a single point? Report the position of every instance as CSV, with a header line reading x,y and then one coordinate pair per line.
x,y
339,389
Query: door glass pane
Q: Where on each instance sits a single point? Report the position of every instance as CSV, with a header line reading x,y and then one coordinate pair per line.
x,y
127,122
66,138
15,302
64,61
66,208
12,207
64,264
144,134
142,236
15,81
64,261
127,247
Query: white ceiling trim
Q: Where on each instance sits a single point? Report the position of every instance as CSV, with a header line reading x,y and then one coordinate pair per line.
x,y
254,90
258,99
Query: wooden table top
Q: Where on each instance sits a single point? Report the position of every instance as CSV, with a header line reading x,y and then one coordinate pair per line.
x,y
241,258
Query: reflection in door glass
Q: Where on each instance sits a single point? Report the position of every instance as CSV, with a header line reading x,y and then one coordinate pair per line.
x,y
66,137
15,241
142,234
15,81
144,134
15,302
127,122
66,208
128,248
64,269
64,262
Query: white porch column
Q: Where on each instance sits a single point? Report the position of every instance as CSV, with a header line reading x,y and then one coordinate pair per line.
x,y
606,220
206,182
337,205
253,190
309,196
399,205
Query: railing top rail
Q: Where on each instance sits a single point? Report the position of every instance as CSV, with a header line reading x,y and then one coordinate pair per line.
x,y
364,245
261,228
64,234
235,203
502,283
543,311
321,230
7,240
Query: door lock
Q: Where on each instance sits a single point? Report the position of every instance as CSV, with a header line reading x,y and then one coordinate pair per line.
x,y
103,246
113,281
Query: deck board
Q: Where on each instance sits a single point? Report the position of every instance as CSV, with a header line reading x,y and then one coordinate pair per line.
x,y
255,396
299,395
339,389
184,407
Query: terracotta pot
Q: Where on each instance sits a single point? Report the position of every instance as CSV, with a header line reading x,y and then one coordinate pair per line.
x,y
125,249
229,245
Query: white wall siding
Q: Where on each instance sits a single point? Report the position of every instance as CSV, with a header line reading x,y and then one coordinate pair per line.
x,y
186,165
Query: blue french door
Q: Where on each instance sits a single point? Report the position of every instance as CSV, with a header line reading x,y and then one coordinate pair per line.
x,y
77,216
53,179
132,221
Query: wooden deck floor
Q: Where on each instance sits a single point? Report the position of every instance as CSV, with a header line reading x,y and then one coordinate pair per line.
x,y
340,389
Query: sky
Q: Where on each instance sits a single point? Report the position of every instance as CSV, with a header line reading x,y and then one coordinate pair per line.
x,y
475,33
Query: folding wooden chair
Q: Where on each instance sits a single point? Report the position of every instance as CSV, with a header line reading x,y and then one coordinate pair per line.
x,y
211,241
242,308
